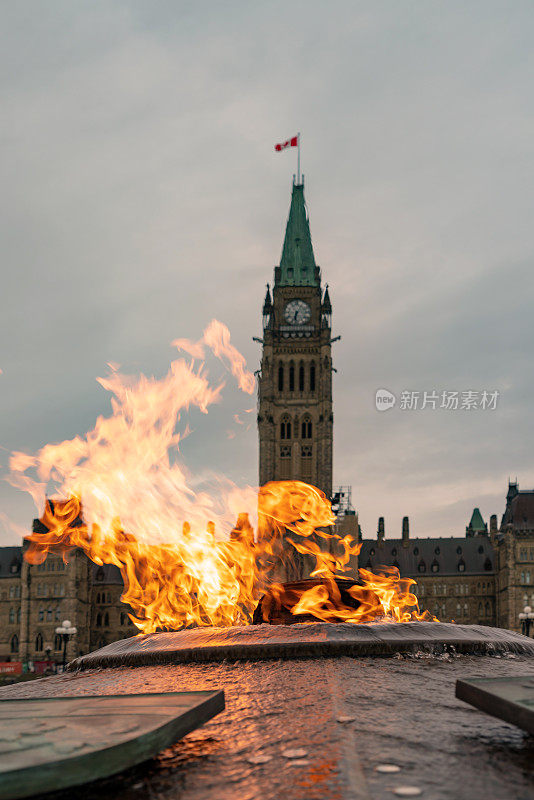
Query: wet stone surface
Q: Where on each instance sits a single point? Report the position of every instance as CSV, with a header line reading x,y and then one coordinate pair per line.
x,y
405,714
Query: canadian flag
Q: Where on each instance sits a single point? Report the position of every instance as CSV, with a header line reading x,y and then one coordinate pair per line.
x,y
293,142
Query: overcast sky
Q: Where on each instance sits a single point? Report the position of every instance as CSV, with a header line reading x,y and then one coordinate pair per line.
x,y
141,197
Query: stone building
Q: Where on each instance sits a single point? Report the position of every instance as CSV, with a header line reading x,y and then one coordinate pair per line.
x,y
35,599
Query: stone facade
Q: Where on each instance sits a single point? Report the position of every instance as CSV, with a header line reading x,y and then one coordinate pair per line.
x,y
35,599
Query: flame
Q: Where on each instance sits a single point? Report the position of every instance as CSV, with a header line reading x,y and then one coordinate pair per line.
x,y
167,533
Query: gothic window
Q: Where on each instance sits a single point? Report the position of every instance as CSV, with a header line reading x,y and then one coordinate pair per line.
x,y
291,377
306,462
99,620
434,566
41,614
480,549
488,565
301,377
437,551
523,554
39,643
527,576
123,617
459,551
14,644
49,614
416,551
58,614
461,565
466,610
285,427
51,566
480,610
57,641
421,567
62,589
306,428
285,461
39,589
106,620
11,616
18,614
280,377
487,609
312,376
458,609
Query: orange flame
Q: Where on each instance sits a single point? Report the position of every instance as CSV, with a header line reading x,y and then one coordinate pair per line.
x,y
142,514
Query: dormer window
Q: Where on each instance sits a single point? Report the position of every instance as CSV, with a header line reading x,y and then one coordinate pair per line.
x,y
421,567
461,565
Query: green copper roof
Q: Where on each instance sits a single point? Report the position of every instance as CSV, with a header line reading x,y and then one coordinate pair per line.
x,y
477,523
297,265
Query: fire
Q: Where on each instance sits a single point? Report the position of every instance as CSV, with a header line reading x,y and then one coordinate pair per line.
x,y
143,512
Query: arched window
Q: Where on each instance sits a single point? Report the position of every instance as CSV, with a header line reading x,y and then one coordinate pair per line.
x,y
421,567
488,567
416,551
41,615
434,566
57,641
306,428
312,376
487,609
461,565
14,644
49,614
123,617
480,611
98,598
292,377
18,614
58,614
285,427
11,616
466,610
394,551
99,620
280,377
459,551
39,643
301,377
106,620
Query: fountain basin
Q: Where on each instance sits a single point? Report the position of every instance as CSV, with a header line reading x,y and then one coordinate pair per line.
x,y
304,640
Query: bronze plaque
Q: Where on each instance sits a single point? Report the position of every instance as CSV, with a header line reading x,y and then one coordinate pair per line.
x,y
53,743
510,699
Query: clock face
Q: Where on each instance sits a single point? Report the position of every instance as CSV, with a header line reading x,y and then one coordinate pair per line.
x,y
297,312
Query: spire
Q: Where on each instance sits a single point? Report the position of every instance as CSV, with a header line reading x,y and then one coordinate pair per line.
x,y
327,305
297,265
267,303
476,524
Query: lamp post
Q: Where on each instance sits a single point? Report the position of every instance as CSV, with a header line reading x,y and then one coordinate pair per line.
x,y
48,650
66,630
527,618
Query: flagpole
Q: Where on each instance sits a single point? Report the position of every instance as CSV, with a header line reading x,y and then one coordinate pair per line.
x,y
298,158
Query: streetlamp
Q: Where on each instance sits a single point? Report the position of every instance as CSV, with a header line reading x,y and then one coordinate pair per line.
x,y
527,618
66,631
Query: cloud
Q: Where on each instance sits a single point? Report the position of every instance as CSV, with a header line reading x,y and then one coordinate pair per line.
x,y
142,197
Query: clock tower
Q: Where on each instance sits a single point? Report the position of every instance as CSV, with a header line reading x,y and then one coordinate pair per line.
x,y
295,419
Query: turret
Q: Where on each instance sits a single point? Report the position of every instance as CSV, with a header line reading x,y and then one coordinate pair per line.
x,y
267,308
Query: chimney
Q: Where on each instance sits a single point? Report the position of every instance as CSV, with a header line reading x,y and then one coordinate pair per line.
x,y
381,532
405,531
493,523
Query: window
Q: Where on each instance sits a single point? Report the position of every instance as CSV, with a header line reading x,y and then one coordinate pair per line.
x,y
11,616
18,614
306,428
487,609
280,377
312,376
459,551
57,641
58,614
421,567
416,551
461,565
480,549
372,551
434,566
39,643
62,590
480,610
437,551
301,377
285,427
488,565
458,609
11,592
106,620
123,618
285,461
99,620
49,614
466,610
291,377
41,614
14,644
394,551
523,554
306,462
98,597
